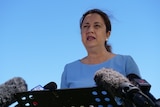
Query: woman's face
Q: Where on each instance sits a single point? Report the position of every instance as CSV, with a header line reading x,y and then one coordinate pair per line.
x,y
93,31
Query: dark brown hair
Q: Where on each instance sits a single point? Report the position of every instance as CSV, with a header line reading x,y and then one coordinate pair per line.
x,y
106,19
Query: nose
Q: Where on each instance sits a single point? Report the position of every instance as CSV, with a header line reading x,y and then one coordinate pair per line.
x,y
90,29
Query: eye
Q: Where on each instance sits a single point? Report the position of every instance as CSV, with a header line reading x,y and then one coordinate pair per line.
x,y
85,26
97,26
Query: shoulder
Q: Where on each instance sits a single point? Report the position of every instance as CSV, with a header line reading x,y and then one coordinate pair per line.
x,y
127,60
72,65
130,65
123,57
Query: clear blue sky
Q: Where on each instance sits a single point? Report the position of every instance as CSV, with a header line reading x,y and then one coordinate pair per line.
x,y
38,37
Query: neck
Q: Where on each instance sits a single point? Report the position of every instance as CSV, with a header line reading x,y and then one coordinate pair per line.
x,y
97,57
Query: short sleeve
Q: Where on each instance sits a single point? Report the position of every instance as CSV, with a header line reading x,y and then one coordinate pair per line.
x,y
131,67
64,78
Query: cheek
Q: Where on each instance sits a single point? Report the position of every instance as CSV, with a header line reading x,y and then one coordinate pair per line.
x,y
83,38
104,35
82,35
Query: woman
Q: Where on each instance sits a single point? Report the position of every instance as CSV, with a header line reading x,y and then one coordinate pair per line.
x,y
95,30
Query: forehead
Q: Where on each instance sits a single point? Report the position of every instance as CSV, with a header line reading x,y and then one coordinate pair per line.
x,y
92,18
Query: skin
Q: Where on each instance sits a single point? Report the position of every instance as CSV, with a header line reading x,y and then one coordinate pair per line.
x,y
94,35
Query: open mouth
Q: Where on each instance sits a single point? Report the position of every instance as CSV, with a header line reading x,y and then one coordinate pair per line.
x,y
89,38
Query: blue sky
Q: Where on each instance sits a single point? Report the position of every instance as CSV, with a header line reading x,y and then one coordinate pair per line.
x,y
38,37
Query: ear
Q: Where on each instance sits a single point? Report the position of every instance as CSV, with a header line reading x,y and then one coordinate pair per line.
x,y
108,34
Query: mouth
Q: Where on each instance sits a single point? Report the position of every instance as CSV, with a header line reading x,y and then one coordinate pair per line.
x,y
90,38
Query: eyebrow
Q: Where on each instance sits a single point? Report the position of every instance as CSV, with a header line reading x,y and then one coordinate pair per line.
x,y
94,23
97,23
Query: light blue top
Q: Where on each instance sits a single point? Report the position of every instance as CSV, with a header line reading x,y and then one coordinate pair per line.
x,y
79,75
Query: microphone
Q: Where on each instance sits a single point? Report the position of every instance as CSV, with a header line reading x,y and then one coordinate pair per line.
x,y
50,87
140,83
109,78
9,88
